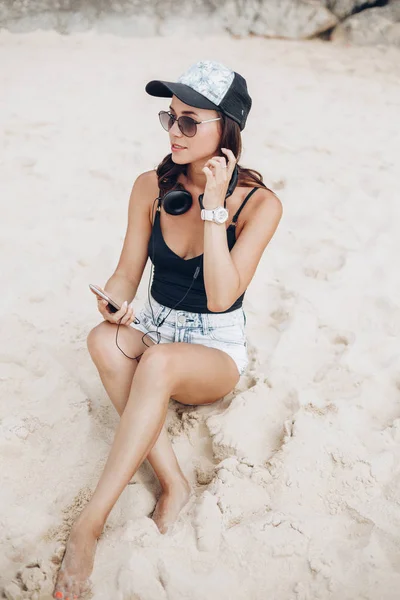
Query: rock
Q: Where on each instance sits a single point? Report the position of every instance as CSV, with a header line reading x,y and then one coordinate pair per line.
x,y
290,19
293,19
283,18
371,26
121,17
344,8
298,19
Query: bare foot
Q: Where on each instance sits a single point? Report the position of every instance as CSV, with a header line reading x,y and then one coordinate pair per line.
x,y
170,504
77,565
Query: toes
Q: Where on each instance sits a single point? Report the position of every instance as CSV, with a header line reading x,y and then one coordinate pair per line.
x,y
60,588
75,591
63,588
164,529
65,595
72,591
85,586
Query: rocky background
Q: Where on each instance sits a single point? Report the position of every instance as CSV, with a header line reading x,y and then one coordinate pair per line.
x,y
344,21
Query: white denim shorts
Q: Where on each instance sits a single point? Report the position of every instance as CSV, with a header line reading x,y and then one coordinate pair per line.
x,y
224,331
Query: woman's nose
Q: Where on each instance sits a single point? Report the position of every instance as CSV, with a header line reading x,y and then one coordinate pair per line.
x,y
175,129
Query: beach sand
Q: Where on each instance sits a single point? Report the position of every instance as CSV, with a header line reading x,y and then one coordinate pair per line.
x,y
296,472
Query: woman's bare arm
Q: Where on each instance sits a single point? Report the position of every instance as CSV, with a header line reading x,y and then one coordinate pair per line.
x,y
228,274
126,278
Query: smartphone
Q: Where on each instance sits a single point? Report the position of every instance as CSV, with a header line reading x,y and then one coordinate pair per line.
x,y
112,305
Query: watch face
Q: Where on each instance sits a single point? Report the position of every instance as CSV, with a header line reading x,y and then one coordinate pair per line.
x,y
221,215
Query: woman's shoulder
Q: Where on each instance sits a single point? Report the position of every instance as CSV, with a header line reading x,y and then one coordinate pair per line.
x,y
147,185
261,195
148,179
144,192
263,204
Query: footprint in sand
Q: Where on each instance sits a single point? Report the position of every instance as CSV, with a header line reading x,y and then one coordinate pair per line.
x,y
340,340
279,317
324,260
252,367
207,523
138,578
282,303
249,411
338,382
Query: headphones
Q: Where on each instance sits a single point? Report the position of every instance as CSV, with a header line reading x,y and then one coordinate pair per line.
x,y
176,202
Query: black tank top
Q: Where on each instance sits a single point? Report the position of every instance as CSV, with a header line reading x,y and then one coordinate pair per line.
x,y
173,275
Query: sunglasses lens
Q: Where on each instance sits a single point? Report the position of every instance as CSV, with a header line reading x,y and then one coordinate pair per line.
x,y
165,120
187,126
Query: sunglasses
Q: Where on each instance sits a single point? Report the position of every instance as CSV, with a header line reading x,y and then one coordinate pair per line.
x,y
187,125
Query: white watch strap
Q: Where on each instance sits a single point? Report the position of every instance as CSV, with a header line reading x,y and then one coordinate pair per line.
x,y
207,214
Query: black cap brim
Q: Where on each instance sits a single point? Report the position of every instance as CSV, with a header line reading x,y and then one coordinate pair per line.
x,y
167,89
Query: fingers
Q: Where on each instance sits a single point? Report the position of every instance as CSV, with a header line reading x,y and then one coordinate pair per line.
x,y
220,160
231,160
219,164
217,161
230,155
129,315
124,316
215,167
101,305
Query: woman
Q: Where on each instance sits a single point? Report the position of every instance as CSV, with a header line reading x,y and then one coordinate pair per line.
x,y
198,318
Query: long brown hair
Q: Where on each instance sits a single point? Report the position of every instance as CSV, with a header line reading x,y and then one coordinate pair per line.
x,y
168,171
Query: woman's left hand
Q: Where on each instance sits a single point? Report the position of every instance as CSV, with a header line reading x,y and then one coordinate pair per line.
x,y
218,173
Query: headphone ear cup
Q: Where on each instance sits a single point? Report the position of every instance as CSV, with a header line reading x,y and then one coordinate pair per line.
x,y
177,202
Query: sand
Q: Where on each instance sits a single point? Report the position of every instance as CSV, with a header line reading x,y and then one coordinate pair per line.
x,y
296,472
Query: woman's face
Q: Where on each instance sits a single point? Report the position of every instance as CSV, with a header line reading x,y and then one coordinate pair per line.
x,y
204,144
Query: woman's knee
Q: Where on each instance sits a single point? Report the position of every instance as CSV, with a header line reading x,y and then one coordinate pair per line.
x,y
99,342
159,362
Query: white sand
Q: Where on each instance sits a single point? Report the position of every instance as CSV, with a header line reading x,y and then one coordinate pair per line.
x,y
297,471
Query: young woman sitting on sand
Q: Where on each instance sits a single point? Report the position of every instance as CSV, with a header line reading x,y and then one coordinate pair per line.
x,y
190,342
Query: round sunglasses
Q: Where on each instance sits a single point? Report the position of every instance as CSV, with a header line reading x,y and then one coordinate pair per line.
x,y
187,125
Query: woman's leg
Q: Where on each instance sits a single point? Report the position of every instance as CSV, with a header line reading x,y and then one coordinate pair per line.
x,y
116,373
140,425
188,372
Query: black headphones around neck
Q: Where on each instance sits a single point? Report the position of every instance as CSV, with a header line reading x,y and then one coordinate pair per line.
x,y
177,202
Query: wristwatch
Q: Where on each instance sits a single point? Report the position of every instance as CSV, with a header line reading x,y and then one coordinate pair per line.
x,y
217,215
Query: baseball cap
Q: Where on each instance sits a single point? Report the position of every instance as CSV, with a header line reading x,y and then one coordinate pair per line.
x,y
208,84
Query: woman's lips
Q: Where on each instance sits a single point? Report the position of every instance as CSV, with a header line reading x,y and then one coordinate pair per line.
x,y
176,148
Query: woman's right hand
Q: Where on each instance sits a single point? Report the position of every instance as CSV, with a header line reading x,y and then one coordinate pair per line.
x,y
126,312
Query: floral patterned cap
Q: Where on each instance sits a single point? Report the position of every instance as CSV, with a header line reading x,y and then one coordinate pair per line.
x,y
211,85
